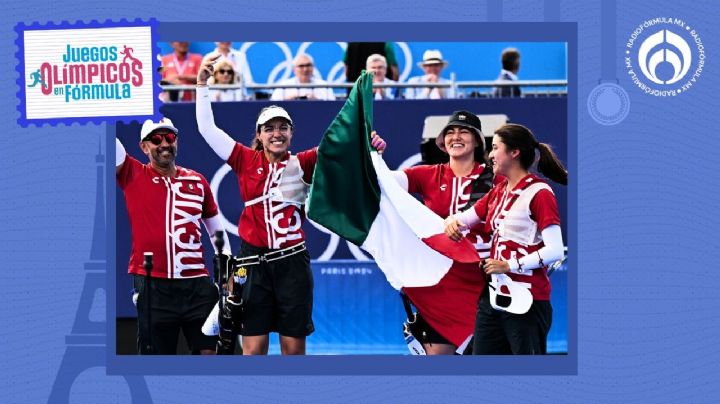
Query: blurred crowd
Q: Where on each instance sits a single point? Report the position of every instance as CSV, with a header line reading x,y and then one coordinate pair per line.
x,y
232,75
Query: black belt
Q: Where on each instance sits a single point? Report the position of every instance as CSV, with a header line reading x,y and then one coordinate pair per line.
x,y
269,256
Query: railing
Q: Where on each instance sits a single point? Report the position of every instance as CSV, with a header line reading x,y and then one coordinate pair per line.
x,y
479,88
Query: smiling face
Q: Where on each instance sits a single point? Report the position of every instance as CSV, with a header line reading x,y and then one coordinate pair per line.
x,y
502,158
460,141
161,155
275,136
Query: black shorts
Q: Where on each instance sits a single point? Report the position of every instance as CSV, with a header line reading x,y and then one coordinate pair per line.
x,y
177,304
502,333
425,333
278,295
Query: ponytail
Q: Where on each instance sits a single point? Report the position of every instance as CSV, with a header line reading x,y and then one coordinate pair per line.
x,y
518,137
550,166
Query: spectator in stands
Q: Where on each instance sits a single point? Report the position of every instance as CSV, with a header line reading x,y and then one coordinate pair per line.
x,y
510,59
304,67
165,95
377,64
237,59
181,67
356,55
433,65
225,74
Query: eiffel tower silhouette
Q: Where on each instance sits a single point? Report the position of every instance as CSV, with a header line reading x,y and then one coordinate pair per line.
x,y
86,344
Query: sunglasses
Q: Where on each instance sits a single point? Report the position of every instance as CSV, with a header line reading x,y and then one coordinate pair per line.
x,y
225,71
157,138
307,65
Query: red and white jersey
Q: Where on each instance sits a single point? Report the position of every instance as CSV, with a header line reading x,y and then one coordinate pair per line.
x,y
543,211
445,194
268,223
165,215
172,66
450,305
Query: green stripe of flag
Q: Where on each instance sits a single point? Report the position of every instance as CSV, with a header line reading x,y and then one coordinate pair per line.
x,y
345,196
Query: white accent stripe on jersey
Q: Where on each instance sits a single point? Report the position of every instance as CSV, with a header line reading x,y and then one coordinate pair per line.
x,y
459,199
494,216
188,178
266,210
453,197
173,246
196,276
498,209
271,184
168,212
465,188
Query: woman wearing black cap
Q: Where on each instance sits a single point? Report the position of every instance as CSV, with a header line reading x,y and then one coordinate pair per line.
x,y
521,213
446,311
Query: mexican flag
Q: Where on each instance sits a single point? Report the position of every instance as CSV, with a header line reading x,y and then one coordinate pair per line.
x,y
355,195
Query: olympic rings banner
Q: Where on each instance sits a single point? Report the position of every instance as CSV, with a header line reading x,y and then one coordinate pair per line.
x,y
270,62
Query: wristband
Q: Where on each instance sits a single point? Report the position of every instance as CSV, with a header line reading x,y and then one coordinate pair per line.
x,y
540,260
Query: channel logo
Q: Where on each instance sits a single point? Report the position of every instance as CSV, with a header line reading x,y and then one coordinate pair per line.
x,y
664,57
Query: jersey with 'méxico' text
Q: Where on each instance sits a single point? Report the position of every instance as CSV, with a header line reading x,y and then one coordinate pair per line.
x,y
543,210
268,223
165,218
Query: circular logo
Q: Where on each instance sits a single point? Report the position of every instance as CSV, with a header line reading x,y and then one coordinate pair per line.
x,y
664,56
608,104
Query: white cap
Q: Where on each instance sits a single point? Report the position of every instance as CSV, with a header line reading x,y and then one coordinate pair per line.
x,y
272,112
432,57
150,126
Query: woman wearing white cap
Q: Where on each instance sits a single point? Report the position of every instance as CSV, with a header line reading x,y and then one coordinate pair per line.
x,y
446,311
432,64
273,185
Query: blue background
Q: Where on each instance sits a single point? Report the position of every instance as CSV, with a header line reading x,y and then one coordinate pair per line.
x,y
647,297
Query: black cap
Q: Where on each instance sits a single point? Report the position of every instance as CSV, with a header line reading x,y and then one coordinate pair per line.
x,y
462,118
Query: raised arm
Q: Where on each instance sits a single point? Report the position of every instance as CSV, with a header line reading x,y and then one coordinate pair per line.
x,y
221,143
120,154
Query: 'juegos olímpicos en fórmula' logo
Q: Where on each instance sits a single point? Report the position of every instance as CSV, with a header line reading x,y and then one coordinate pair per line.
x,y
100,71
664,56
90,73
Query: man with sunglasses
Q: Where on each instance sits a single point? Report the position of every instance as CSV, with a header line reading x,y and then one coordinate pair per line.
x,y
165,205
304,68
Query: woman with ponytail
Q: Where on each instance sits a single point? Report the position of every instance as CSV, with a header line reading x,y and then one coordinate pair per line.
x,y
522,215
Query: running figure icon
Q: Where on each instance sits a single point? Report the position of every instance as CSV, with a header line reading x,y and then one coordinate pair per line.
x,y
37,77
128,54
